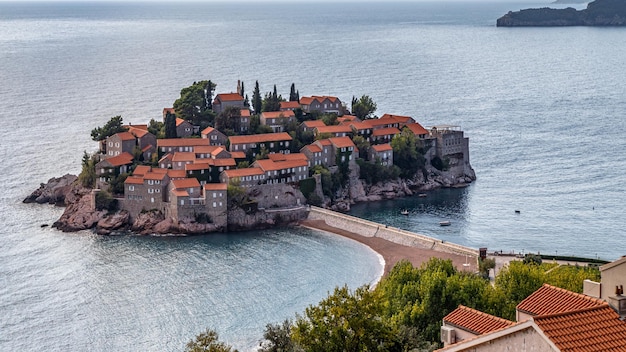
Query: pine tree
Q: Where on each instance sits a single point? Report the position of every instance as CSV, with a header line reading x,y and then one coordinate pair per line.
x,y
293,96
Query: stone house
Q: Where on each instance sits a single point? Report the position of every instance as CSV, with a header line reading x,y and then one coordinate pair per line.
x,y
418,130
313,154
383,135
327,155
146,192
252,144
171,145
122,142
285,171
189,199
244,123
216,202
180,159
400,119
382,152
247,177
214,136
322,104
224,100
183,128
362,129
277,119
310,125
108,168
332,150
335,131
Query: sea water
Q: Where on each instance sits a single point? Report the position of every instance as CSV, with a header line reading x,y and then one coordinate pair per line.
x,y
543,108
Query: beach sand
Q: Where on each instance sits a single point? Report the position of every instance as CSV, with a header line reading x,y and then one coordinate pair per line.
x,y
393,252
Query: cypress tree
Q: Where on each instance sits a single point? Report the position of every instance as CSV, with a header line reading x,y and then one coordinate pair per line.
x,y
257,101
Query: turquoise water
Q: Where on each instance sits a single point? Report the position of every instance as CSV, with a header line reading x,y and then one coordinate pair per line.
x,y
543,108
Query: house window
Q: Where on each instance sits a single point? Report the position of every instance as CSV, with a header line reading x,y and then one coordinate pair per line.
x,y
158,190
191,191
131,188
182,202
214,195
117,144
213,137
214,204
220,204
152,200
150,190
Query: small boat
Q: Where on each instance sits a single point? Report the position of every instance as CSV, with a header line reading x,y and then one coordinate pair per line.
x,y
404,212
444,223
422,195
517,212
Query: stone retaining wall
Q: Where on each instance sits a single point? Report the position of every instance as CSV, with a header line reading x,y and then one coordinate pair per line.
x,y
372,229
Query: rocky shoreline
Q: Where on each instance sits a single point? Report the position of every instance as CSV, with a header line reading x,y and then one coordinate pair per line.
x,y
597,13
80,213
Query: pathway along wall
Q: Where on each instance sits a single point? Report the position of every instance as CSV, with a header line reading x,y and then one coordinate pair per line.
x,y
368,228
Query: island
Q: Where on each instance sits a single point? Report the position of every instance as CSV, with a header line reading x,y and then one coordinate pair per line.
x,y
227,163
597,13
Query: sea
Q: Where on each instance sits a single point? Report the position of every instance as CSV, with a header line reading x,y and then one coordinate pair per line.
x,y
543,108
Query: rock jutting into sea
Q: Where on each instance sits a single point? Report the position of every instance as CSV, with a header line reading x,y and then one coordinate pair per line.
x,y
597,13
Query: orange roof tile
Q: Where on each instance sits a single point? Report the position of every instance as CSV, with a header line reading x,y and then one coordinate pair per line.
x,y
158,170
313,123
325,142
170,110
215,187
176,174
154,176
284,157
134,180
359,126
385,131
416,128
549,300
207,130
342,142
289,104
205,149
592,329
260,138
182,142
249,171
179,121
245,112
138,130
474,321
180,193
229,97
224,162
184,156
119,160
238,155
125,136
309,100
277,114
185,183
399,118
196,166
313,148
382,147
141,170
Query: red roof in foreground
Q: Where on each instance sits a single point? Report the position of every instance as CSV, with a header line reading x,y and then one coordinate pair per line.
x,y
229,97
249,171
416,128
593,329
215,187
119,160
382,147
549,299
475,321
260,138
342,142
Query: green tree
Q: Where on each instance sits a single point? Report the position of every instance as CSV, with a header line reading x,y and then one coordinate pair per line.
x,y
208,341
105,201
517,281
257,101
330,119
170,126
195,104
406,153
87,176
278,338
229,119
272,100
294,95
363,108
362,145
115,125
157,128
345,321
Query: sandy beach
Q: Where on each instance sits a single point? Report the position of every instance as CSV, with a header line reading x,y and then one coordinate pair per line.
x,y
393,252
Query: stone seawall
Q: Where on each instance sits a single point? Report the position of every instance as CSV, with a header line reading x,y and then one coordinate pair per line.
x,y
372,229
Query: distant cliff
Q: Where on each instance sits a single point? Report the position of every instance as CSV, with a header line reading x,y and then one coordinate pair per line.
x,y
597,13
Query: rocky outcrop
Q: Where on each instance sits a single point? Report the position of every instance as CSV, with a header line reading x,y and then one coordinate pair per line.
x,y
597,13
112,222
52,192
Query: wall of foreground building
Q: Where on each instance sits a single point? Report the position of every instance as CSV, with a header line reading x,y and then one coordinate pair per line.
x,y
372,229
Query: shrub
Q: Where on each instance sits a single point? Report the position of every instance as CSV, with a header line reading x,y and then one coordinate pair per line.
x,y
105,201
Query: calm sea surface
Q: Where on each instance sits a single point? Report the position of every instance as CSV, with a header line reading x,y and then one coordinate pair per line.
x,y
543,108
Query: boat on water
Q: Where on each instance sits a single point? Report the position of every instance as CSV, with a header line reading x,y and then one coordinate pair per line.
x,y
444,223
422,195
404,212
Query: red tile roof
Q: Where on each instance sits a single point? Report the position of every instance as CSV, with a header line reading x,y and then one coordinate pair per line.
x,y
289,104
186,183
229,97
593,329
359,126
125,136
215,187
416,128
154,175
249,171
382,121
184,156
271,165
196,166
284,157
277,114
138,130
134,180
245,112
313,148
182,142
382,147
180,193
342,142
205,149
550,300
320,99
141,170
399,118
474,321
224,162
207,130
260,138
313,123
385,131
334,129
238,155
176,174
119,160
180,121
